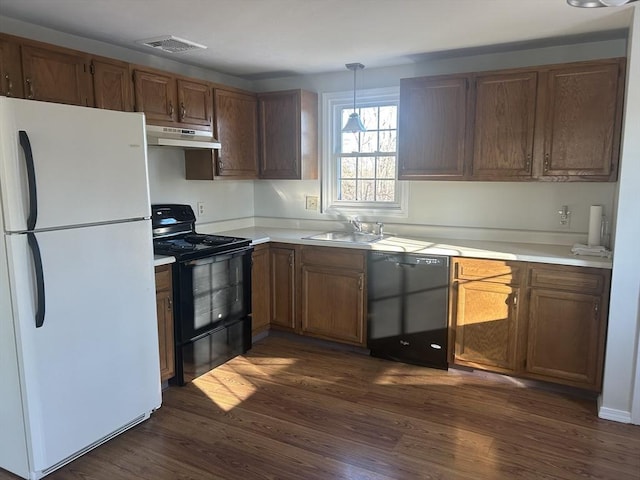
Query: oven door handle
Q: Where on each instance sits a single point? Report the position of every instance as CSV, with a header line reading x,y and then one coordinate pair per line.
x,y
221,257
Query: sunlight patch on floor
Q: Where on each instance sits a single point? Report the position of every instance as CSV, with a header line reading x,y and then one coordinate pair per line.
x,y
231,384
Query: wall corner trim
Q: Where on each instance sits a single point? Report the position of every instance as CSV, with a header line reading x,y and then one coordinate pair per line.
x,y
613,414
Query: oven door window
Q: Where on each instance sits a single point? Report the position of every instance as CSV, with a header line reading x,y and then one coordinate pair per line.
x,y
212,293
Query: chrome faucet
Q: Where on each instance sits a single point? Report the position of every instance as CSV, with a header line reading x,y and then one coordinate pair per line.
x,y
357,224
380,226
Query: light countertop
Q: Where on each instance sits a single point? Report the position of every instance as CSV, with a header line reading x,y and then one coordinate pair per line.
x,y
526,252
162,260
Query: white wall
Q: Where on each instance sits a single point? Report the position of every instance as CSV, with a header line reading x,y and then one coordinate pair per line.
x,y
223,199
621,375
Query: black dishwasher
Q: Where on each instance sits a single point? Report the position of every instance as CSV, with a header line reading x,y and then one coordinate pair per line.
x,y
407,307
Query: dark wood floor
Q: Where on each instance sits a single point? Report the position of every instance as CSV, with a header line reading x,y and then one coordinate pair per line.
x,y
297,410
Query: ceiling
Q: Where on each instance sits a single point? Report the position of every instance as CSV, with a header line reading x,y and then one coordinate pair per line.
x,y
271,38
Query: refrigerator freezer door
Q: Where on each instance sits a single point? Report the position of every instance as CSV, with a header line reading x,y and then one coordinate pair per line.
x,y
90,165
93,366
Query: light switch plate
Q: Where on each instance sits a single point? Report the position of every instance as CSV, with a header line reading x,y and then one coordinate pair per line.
x,y
311,202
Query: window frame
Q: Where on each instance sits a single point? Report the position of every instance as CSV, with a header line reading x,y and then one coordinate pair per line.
x,y
332,105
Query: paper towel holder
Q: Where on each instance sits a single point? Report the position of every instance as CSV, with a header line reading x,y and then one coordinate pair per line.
x,y
565,215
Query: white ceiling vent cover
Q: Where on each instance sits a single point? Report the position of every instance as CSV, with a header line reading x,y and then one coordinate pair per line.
x,y
171,44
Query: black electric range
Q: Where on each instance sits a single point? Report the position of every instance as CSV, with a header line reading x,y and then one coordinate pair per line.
x,y
211,291
174,234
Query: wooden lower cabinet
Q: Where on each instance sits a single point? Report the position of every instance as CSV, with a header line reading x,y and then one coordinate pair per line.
x,y
567,323
260,290
164,305
333,294
487,325
283,286
549,324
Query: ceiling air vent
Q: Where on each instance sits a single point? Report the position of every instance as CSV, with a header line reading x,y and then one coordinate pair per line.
x,y
171,44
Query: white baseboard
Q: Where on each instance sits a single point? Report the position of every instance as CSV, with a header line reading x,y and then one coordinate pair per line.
x,y
613,414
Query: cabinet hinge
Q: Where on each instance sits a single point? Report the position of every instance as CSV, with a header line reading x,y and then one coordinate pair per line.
x,y
92,69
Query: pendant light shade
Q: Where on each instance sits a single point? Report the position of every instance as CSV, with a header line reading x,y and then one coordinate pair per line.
x,y
354,124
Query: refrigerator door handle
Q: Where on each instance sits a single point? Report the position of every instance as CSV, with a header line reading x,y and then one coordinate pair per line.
x,y
31,178
37,259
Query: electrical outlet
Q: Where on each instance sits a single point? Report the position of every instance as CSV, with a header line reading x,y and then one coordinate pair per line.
x,y
311,202
200,209
565,217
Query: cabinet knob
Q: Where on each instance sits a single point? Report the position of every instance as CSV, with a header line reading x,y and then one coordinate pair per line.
x,y
29,87
170,109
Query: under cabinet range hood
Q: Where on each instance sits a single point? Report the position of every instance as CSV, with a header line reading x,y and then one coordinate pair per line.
x,y
180,137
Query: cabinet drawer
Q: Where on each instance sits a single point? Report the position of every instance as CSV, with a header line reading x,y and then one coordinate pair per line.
x,y
580,279
163,278
497,271
334,257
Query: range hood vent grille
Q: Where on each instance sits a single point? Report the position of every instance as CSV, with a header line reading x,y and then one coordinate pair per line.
x,y
171,44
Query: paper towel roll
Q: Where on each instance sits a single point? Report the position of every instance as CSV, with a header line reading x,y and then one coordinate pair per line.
x,y
595,225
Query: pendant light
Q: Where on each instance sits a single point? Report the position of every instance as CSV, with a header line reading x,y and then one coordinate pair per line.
x,y
354,124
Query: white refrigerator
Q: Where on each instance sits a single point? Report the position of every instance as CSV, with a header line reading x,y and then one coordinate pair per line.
x,y
78,334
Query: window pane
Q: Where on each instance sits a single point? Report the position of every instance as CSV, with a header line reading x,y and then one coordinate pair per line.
x,y
369,117
366,167
369,142
388,141
348,167
386,167
347,190
366,191
388,117
385,190
349,142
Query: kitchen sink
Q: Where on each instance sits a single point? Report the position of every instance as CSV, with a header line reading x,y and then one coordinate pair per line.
x,y
349,237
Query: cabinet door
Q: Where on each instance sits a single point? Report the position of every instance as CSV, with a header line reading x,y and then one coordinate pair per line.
x,y
155,95
566,337
111,85
260,289
194,103
283,287
486,325
56,75
333,304
582,121
279,116
433,130
164,306
504,123
10,69
236,126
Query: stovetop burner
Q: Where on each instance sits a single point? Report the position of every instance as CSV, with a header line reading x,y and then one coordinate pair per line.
x,y
174,234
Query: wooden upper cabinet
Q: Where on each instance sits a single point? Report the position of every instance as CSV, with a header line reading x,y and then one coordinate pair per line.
x,y
194,103
56,75
10,69
582,111
236,127
288,126
433,127
111,85
504,123
155,95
